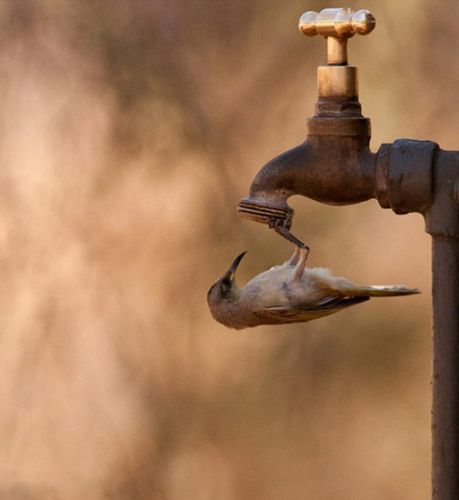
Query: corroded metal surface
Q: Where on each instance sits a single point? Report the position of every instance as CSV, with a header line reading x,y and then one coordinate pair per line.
x,y
404,175
445,379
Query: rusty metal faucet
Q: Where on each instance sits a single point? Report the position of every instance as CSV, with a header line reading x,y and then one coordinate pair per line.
x,y
335,166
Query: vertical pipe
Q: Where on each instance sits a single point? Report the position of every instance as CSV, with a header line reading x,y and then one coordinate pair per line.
x,y
445,381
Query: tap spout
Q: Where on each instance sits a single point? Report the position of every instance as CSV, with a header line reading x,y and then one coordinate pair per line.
x,y
334,169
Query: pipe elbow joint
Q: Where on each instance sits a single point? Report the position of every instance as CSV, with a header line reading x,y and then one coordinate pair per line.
x,y
404,175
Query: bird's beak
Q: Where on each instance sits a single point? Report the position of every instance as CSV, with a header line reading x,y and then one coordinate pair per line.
x,y
230,274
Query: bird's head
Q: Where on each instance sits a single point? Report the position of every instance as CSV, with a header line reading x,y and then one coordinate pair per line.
x,y
224,291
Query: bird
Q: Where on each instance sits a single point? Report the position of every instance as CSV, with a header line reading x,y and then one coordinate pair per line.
x,y
288,293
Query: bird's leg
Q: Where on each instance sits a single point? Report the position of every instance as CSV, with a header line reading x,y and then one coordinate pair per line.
x,y
293,261
299,269
301,254
289,236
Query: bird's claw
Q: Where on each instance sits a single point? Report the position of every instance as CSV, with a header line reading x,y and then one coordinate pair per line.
x,y
284,232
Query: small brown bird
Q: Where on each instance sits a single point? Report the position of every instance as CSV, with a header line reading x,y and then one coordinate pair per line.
x,y
289,293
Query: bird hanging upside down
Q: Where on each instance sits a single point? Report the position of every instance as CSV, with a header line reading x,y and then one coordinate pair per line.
x,y
289,293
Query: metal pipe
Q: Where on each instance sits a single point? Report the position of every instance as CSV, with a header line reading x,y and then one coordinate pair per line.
x,y
445,379
442,223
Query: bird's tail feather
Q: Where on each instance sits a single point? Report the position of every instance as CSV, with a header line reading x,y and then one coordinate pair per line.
x,y
382,291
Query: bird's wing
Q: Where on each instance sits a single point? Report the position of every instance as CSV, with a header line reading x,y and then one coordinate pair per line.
x,y
298,313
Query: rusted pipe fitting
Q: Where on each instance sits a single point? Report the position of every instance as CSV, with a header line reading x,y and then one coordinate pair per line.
x,y
404,175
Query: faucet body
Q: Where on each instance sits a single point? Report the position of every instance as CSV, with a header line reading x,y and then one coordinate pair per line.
x,y
331,169
335,166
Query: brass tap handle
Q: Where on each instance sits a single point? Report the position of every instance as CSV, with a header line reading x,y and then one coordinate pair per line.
x,y
337,26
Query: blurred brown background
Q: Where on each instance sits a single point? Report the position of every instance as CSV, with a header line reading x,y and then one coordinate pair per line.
x,y
129,132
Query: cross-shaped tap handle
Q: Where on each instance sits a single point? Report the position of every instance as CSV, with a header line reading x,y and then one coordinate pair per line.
x,y
337,26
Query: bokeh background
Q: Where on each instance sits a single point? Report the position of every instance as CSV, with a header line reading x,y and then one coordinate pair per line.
x,y
129,132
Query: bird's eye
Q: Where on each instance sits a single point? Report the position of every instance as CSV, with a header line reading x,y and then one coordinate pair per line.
x,y
225,286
